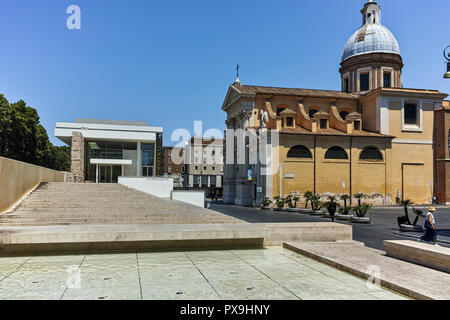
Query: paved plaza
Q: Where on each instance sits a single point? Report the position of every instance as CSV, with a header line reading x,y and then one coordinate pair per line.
x,y
383,227
272,273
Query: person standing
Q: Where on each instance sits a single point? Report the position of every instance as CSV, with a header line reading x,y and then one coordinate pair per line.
x,y
430,227
332,206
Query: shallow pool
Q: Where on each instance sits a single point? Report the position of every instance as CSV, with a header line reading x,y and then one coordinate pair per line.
x,y
272,273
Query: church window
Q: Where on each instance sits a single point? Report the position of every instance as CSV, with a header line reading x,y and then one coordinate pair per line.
x,y
312,112
289,122
371,153
279,111
336,153
364,81
387,79
357,125
346,85
299,152
343,114
323,124
410,113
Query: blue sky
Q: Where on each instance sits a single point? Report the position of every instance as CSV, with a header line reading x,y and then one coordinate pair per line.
x,y
170,62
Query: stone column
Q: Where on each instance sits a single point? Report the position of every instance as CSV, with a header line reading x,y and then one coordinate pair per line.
x,y
77,157
139,160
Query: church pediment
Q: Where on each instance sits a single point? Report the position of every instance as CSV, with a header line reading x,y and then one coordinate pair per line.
x,y
232,96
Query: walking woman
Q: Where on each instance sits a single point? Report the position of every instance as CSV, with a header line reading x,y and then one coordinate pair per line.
x,y
430,227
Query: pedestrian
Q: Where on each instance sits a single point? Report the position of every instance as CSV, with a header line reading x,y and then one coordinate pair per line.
x,y
430,227
332,206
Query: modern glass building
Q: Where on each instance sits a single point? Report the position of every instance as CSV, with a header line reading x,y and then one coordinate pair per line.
x,y
102,150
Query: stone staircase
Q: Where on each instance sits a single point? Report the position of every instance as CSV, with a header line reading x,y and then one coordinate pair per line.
x,y
108,204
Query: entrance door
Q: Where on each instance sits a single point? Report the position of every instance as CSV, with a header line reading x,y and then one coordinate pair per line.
x,y
105,174
147,171
109,174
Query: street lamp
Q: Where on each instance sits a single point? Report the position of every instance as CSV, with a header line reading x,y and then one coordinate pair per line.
x,y
447,56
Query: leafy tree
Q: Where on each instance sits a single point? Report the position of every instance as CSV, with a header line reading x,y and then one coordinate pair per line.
x,y
23,138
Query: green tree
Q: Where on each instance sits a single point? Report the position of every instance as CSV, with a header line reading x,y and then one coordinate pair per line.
x,y
23,138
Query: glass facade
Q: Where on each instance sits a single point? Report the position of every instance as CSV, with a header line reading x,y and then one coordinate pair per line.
x,y
105,150
148,159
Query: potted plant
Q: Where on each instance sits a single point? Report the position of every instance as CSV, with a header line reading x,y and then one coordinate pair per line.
x,y
292,200
404,223
279,201
316,205
361,210
266,204
344,211
308,195
405,219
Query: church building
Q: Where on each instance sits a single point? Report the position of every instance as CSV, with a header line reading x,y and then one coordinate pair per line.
x,y
373,137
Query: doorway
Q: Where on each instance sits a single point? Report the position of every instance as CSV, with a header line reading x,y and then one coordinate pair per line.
x,y
109,173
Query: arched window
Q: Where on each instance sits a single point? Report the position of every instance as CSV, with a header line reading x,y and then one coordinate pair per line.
x,y
343,114
279,111
371,153
299,152
336,153
312,112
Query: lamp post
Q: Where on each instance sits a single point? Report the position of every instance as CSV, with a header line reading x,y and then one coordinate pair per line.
x,y
447,56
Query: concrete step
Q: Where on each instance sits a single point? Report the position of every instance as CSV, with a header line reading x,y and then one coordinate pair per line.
x,y
88,204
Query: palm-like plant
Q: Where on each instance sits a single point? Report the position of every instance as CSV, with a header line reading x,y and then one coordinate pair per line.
x,y
332,198
405,204
266,202
308,195
345,209
316,204
279,201
360,196
292,200
362,210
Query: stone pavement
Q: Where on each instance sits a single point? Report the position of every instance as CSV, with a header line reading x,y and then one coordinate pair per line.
x,y
407,278
269,274
383,227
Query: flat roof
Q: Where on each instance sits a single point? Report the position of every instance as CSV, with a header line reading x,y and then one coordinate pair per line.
x,y
108,132
114,122
107,127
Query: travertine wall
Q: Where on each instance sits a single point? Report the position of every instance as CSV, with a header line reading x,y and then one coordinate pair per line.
x,y
77,157
17,178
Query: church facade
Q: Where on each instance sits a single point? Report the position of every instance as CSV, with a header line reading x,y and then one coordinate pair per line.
x,y
373,136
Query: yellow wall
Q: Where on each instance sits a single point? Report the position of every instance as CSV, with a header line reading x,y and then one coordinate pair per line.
x,y
406,167
369,113
412,171
17,178
326,176
395,122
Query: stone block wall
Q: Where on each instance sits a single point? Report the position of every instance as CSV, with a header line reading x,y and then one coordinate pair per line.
x,y
77,157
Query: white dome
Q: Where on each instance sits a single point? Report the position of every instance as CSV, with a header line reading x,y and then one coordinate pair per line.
x,y
372,37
